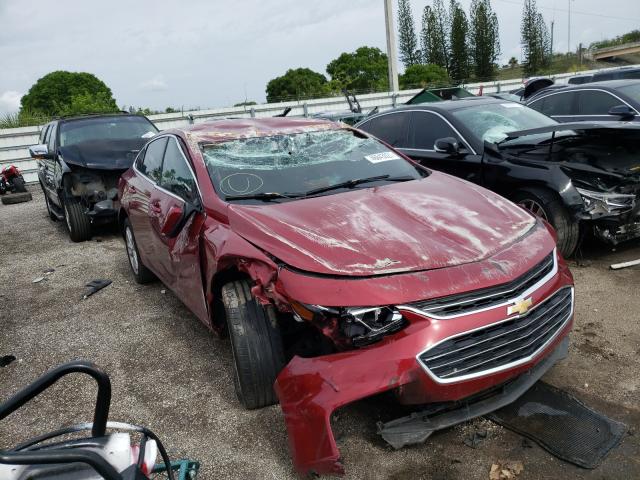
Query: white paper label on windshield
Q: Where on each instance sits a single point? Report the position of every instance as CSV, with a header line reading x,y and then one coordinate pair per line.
x,y
382,157
148,135
512,105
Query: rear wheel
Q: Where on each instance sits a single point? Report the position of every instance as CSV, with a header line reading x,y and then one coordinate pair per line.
x,y
548,206
256,344
77,221
141,273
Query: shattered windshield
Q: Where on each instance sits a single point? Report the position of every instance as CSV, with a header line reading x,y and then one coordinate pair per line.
x,y
492,122
292,165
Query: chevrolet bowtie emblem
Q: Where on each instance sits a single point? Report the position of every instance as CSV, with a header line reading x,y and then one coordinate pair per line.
x,y
520,306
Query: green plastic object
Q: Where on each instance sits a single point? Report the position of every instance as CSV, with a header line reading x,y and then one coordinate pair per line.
x,y
186,469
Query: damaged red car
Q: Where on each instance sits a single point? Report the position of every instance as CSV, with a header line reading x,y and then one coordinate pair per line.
x,y
340,269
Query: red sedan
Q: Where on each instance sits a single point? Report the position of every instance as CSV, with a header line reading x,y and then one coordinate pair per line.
x,y
341,269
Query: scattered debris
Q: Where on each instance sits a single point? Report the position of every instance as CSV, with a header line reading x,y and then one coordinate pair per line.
x,y
95,286
37,280
618,266
475,438
163,291
49,271
6,360
505,470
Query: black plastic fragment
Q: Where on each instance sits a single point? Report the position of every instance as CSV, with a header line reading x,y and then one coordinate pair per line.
x,y
562,425
95,286
7,360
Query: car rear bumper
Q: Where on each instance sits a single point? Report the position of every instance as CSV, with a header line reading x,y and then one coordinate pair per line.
x,y
310,389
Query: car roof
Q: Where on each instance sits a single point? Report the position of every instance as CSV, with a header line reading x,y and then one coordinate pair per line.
x,y
605,84
97,115
448,105
234,129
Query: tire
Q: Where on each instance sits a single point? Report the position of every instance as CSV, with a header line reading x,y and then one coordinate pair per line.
x,y
18,185
141,273
13,198
77,221
256,343
548,205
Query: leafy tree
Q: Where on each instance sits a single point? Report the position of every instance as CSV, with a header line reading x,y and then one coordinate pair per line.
x,y
299,84
435,35
536,44
171,110
484,39
246,103
632,36
513,62
459,58
407,41
362,70
423,75
68,93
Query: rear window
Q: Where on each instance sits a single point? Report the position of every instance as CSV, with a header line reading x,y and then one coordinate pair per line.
x,y
105,128
631,91
301,162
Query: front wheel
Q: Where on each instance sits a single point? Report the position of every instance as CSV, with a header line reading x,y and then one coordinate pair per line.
x,y
548,206
256,344
141,273
77,221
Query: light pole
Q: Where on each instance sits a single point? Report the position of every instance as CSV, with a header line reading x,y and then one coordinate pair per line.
x,y
392,52
569,27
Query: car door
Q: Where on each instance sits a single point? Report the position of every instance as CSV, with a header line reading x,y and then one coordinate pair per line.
x,y
148,168
178,257
595,105
561,106
391,127
425,127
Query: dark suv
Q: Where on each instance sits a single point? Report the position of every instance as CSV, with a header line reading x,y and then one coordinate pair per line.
x,y
79,162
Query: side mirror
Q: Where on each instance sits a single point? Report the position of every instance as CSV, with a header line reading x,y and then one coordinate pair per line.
x,y
172,222
622,111
39,151
447,145
176,219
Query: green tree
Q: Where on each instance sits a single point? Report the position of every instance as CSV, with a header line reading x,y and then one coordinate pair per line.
x,y
536,44
246,103
513,62
459,58
297,84
362,70
632,36
68,93
484,39
407,40
435,35
424,75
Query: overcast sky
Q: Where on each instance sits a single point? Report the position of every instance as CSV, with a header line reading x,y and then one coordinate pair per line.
x,y
209,53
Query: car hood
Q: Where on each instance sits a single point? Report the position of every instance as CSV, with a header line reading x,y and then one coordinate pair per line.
x,y
103,154
436,222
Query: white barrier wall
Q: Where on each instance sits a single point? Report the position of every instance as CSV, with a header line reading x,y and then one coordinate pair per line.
x,y
14,142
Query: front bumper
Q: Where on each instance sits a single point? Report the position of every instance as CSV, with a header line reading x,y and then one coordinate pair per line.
x,y
310,389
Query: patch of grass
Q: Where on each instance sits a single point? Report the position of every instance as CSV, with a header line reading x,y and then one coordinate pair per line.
x,y
22,119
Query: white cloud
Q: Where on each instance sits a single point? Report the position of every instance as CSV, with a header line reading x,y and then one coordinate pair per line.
x,y
10,101
155,84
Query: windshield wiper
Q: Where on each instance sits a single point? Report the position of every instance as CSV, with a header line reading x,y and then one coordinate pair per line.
x,y
265,196
357,181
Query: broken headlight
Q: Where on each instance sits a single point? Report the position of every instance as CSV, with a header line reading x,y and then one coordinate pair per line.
x,y
361,325
600,203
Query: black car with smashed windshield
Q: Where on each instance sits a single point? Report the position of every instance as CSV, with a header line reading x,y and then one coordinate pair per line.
x,y
80,160
579,176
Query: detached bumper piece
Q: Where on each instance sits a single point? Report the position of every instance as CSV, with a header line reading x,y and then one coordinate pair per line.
x,y
417,427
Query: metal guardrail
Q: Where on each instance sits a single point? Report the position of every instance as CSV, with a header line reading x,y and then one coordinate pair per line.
x,y
14,142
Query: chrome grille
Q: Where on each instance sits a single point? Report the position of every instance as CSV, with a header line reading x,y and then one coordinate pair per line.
x,y
500,345
461,304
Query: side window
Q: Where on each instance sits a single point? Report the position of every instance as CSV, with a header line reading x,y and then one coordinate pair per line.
x,y
151,164
392,128
596,103
558,104
51,137
426,128
176,174
43,135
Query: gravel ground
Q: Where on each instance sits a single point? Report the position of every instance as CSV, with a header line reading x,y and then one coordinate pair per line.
x,y
170,374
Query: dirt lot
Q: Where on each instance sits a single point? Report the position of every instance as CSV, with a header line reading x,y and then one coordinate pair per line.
x,y
171,374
